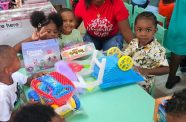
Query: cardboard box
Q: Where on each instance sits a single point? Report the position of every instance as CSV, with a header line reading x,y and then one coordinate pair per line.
x,y
15,23
40,55
77,51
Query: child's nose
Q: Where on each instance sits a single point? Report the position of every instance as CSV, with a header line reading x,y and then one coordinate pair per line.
x,y
143,33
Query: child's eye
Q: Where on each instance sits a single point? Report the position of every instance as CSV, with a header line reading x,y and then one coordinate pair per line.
x,y
139,29
148,30
55,32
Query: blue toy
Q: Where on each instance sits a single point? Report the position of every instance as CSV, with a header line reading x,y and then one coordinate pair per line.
x,y
114,76
51,86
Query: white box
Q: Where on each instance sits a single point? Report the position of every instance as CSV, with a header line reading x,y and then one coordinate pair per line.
x,y
15,23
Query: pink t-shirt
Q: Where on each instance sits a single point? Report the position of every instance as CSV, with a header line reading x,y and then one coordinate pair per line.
x,y
102,21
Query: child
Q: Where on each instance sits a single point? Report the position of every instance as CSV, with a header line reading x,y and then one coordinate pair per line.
x,y
165,8
176,107
37,113
9,79
147,54
47,27
70,35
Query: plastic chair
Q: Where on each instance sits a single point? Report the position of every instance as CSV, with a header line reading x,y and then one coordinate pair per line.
x,y
161,19
161,36
68,4
129,8
137,10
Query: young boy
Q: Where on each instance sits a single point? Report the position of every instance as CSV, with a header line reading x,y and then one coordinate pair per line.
x,y
176,107
37,113
147,53
9,79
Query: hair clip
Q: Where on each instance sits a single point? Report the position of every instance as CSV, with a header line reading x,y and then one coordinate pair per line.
x,y
39,25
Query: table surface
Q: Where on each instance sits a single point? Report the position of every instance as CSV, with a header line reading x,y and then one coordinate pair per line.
x,y
127,103
121,104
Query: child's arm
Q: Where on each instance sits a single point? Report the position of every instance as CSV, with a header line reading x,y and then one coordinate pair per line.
x,y
155,71
17,47
35,76
35,36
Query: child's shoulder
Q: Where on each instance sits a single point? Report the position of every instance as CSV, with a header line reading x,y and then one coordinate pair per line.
x,y
155,42
75,31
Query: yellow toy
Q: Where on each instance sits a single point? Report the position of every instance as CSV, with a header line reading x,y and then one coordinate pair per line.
x,y
125,62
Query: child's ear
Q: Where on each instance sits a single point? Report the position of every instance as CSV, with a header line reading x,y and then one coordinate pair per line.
x,y
156,29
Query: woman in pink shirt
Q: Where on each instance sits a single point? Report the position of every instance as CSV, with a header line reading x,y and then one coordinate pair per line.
x,y
106,22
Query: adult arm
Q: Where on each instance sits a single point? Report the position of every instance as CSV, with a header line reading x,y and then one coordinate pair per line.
x,y
125,30
79,21
42,34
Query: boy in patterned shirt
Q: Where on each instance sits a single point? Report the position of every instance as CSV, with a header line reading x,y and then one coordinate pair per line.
x,y
147,53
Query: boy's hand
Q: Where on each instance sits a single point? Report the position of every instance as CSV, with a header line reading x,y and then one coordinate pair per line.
x,y
35,76
142,71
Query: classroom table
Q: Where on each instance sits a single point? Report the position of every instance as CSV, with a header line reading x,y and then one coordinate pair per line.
x,y
120,104
126,103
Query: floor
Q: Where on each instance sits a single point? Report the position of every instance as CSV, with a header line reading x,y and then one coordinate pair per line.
x,y
160,89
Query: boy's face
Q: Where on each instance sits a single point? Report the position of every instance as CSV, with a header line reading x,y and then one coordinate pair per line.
x,y
145,30
16,64
69,22
51,30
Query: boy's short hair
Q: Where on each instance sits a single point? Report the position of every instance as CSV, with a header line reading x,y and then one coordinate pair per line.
x,y
5,54
34,113
147,15
177,104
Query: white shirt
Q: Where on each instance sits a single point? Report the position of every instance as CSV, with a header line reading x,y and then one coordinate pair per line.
x,y
8,95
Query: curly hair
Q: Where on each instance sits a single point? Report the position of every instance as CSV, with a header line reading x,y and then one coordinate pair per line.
x,y
34,113
147,15
177,104
38,19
